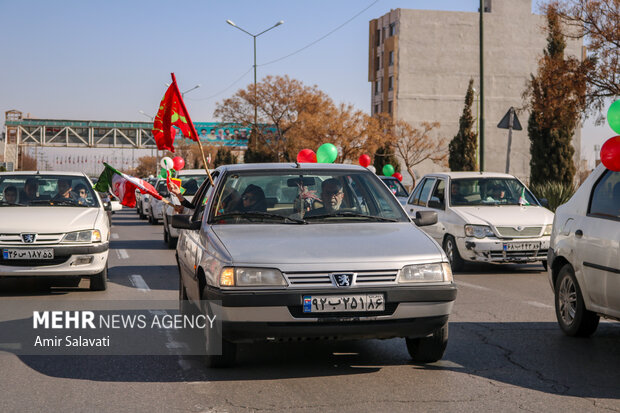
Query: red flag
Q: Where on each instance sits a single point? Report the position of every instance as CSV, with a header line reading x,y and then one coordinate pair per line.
x,y
172,111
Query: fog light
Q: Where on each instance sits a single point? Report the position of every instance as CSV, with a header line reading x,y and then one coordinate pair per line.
x,y
83,260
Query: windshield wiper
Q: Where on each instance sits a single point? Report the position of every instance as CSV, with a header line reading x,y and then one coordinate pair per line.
x,y
258,214
351,214
62,202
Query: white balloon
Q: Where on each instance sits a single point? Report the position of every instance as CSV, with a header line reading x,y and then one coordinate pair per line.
x,y
372,169
166,163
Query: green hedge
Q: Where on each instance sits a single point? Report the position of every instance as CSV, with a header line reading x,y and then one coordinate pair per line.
x,y
556,193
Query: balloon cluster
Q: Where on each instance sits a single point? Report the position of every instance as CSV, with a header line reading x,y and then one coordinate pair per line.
x,y
173,165
610,151
388,170
327,153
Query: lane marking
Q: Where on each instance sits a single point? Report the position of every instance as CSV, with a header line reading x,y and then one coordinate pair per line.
x,y
537,304
114,236
477,287
122,254
138,282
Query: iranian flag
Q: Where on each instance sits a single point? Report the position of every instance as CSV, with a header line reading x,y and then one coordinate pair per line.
x,y
522,200
123,186
172,111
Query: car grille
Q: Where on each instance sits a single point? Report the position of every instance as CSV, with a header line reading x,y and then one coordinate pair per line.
x,y
322,279
42,239
33,263
512,232
542,254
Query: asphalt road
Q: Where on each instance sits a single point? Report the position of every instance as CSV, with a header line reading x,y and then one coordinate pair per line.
x,y
505,353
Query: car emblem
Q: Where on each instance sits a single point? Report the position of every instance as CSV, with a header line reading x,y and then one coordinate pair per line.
x,y
29,238
519,228
343,279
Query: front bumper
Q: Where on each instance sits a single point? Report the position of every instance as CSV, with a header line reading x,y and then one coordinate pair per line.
x,y
493,249
69,260
278,315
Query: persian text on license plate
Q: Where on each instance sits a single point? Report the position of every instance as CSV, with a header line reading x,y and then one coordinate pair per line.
x,y
521,246
28,254
343,303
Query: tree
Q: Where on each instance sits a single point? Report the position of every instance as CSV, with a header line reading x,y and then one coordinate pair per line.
x,y
596,21
415,146
464,145
147,165
224,156
384,156
556,101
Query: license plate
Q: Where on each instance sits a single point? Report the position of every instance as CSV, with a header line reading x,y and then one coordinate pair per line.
x,y
343,303
28,254
521,246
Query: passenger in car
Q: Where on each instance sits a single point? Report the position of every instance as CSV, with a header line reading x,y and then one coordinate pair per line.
x,y
10,195
80,189
29,192
455,194
252,199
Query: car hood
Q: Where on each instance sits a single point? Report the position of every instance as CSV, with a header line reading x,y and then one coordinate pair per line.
x,y
327,243
505,215
47,219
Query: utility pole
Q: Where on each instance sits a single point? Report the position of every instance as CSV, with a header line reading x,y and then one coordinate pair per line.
x,y
481,148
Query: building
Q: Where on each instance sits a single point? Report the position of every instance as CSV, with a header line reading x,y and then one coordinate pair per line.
x,y
420,63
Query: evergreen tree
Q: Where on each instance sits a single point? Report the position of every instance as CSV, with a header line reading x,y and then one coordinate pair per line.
x,y
383,156
224,156
464,145
556,99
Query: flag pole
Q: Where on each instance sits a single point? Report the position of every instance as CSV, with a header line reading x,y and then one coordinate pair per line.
x,y
204,160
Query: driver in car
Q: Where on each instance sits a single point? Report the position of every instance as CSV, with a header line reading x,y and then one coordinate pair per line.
x,y
331,197
64,190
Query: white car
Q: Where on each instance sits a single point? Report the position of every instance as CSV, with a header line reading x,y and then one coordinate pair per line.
x,y
191,180
142,201
53,225
156,206
483,217
584,255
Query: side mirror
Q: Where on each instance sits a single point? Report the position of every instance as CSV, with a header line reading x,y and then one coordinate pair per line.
x,y
544,202
424,218
184,222
107,206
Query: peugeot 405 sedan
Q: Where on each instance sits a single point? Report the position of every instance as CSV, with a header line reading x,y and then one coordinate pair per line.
x,y
584,255
297,251
484,217
53,225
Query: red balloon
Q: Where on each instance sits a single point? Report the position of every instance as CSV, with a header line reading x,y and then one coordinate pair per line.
x,y
178,162
398,176
364,160
306,156
610,154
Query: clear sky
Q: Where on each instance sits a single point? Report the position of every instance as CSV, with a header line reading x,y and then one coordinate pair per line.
x,y
108,60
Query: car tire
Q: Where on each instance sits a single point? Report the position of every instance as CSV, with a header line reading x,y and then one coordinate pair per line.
x,y
544,264
570,310
99,282
229,350
449,246
152,220
185,306
429,349
171,242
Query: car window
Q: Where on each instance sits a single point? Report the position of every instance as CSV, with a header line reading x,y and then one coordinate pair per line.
x,y
413,199
426,190
191,183
46,190
489,191
437,200
305,196
202,196
395,186
161,186
605,198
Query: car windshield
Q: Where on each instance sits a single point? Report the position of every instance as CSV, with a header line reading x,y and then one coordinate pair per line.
x,y
191,183
46,190
489,191
396,187
305,197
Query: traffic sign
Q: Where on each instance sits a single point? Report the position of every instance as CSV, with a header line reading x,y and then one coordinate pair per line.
x,y
505,122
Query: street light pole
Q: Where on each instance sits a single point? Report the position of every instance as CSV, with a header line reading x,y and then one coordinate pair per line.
x,y
255,36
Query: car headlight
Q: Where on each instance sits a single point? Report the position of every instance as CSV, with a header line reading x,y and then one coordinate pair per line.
x,y
424,273
91,235
478,231
548,229
251,277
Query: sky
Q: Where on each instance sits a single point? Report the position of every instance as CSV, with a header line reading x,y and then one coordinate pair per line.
x,y
109,60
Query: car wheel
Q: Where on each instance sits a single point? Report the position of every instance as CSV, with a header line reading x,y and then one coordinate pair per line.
x,y
185,307
429,349
99,282
452,251
229,349
544,264
573,317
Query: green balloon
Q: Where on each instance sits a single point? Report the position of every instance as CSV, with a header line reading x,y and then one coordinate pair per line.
x,y
613,116
388,170
327,153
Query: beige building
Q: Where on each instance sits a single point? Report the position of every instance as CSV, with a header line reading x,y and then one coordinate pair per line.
x,y
420,63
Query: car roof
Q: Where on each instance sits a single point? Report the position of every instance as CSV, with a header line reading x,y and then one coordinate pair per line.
x,y
191,172
388,178
457,175
290,167
44,173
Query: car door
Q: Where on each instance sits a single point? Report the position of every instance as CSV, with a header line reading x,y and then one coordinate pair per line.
x,y
437,203
597,241
417,201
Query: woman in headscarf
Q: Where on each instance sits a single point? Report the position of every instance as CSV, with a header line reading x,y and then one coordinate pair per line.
x,y
252,199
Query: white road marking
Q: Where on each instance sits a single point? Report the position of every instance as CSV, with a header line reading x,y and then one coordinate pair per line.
x,y
539,305
114,236
477,287
138,282
122,254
